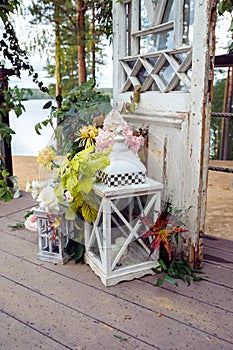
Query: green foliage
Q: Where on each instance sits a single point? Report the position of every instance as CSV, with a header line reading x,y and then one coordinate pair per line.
x,y
75,250
76,175
216,123
9,44
176,270
6,193
12,101
16,226
134,100
62,16
227,6
78,108
169,224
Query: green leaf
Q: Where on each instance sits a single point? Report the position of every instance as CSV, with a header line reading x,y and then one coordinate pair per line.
x,y
132,107
7,196
14,179
188,270
16,192
17,226
71,183
137,91
37,128
47,105
59,98
70,214
188,280
170,280
89,213
157,270
5,173
115,335
159,282
29,213
162,264
79,252
196,278
85,184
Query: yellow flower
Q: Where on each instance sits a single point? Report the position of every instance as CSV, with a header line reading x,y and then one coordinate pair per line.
x,y
47,157
87,135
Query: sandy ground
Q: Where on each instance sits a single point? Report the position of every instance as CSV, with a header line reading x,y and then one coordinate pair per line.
x,y
219,215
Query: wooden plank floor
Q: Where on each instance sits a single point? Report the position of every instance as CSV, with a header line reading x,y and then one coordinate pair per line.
x,y
47,306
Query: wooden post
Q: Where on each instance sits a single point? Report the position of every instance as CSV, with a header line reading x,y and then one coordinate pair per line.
x,y
6,147
224,149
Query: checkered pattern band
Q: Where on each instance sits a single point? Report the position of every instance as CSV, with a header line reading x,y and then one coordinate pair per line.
x,y
122,179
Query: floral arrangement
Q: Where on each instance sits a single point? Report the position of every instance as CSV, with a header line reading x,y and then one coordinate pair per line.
x,y
113,122
45,195
160,235
75,175
162,229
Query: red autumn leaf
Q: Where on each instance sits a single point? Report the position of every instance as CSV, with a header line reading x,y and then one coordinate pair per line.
x,y
161,230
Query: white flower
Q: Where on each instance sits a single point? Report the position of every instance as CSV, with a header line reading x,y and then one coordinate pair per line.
x,y
48,200
35,184
34,193
28,186
114,120
68,196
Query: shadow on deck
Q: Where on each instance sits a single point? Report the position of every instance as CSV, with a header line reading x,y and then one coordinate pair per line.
x,y
48,306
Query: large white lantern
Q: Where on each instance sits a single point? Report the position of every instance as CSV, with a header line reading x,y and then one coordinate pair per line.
x,y
113,248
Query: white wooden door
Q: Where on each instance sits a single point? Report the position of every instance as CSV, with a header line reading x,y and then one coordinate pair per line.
x,y
167,47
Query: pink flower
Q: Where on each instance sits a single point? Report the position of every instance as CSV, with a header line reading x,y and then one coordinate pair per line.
x,y
105,139
134,143
31,223
112,123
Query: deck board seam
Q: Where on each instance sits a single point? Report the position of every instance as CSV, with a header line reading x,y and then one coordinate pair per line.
x,y
118,329
116,296
195,299
217,249
211,262
15,212
22,238
34,329
85,314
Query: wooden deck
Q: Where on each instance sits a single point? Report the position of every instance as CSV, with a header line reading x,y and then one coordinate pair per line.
x,y
47,306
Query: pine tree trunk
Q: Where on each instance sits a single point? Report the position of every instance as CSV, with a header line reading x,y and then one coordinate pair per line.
x,y
93,43
81,41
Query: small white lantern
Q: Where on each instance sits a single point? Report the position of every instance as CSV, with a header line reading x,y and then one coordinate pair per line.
x,y
54,232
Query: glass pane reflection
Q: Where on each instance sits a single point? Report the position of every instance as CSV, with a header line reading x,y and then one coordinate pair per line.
x,y
157,42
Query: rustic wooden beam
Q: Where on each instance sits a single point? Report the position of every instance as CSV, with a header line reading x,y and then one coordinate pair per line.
x,y
223,61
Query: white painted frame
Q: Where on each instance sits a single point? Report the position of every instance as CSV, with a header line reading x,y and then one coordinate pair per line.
x,y
178,120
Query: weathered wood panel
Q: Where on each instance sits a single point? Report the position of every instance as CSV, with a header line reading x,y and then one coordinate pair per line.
x,y
178,121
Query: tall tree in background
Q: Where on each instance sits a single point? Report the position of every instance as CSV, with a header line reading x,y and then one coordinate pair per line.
x,y
59,17
82,72
79,28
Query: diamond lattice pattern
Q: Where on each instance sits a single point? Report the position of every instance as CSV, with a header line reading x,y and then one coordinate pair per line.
x,y
164,72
